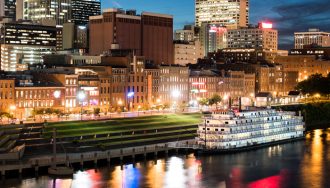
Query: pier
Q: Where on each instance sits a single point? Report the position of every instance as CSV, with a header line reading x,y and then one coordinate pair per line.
x,y
37,162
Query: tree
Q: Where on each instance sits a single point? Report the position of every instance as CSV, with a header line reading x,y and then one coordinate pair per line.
x,y
215,100
315,84
5,115
96,111
204,102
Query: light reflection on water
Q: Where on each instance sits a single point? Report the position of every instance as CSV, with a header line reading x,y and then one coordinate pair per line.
x,y
298,164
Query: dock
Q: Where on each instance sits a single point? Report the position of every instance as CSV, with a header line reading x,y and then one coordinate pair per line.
x,y
36,162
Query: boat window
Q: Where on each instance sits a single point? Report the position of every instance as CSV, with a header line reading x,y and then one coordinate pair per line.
x,y
216,129
222,129
208,122
226,122
204,129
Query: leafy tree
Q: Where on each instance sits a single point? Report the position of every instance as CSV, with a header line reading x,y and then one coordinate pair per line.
x,y
96,111
315,84
215,100
204,102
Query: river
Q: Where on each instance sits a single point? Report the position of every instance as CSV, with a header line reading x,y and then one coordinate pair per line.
x,y
303,163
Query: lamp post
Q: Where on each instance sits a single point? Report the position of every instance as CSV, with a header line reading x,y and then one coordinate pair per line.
x,y
175,95
57,95
129,96
139,107
81,98
12,108
120,103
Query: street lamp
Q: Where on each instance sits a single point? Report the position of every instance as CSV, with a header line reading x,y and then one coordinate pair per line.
x,y
12,108
139,107
130,95
81,98
175,94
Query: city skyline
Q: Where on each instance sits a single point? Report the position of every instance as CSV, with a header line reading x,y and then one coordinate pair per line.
x,y
288,17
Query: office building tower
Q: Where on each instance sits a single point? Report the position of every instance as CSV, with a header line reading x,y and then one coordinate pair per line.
x,y
24,44
83,9
261,37
225,12
47,12
149,34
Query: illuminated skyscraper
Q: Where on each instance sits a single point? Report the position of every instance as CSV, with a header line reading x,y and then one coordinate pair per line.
x,y
226,12
47,12
83,9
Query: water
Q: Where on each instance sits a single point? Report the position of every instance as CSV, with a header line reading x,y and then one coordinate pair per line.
x,y
299,164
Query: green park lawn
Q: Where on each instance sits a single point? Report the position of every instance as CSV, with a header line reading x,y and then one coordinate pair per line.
x,y
78,128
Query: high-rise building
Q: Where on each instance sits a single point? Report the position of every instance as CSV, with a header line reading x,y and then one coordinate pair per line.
x,y
8,9
23,44
83,9
149,35
74,37
226,12
47,12
189,33
58,12
261,37
312,36
213,37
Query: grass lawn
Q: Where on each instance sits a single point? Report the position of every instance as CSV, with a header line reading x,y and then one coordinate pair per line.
x,y
68,129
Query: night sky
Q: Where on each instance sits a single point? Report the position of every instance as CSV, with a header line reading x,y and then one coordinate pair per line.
x,y
288,16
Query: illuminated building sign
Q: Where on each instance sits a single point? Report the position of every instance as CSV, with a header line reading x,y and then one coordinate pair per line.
x,y
265,25
215,29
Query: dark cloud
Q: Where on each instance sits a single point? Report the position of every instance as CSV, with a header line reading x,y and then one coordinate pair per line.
x,y
291,17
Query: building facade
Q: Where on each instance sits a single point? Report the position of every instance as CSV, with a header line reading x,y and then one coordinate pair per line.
x,y
8,9
174,89
189,33
312,36
83,9
51,12
213,37
226,12
75,37
187,52
24,44
260,37
149,35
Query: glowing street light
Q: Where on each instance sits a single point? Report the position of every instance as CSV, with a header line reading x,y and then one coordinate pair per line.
x,y
12,108
57,94
120,102
317,95
81,96
176,93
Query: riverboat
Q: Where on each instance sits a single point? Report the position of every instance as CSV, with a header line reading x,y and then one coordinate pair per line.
x,y
230,130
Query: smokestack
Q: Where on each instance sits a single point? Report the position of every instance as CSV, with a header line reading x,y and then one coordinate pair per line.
x,y
240,104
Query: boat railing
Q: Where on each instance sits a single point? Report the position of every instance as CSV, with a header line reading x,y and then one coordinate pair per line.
x,y
290,121
290,126
247,137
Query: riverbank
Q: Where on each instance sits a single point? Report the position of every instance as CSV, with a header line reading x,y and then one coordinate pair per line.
x,y
316,115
